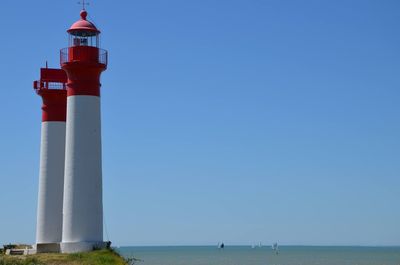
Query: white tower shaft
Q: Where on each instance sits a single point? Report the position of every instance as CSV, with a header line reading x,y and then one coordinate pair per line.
x,y
83,206
51,180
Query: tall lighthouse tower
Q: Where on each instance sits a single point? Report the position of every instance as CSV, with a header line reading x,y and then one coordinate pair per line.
x,y
52,88
83,61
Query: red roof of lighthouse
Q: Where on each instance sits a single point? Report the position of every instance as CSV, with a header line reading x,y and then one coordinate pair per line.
x,y
83,24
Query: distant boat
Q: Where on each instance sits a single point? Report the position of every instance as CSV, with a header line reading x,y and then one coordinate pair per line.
x,y
275,248
221,246
258,246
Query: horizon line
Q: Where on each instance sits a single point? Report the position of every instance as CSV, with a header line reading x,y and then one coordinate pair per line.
x,y
264,245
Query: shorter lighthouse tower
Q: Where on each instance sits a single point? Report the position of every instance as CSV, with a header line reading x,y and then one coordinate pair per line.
x,y
52,88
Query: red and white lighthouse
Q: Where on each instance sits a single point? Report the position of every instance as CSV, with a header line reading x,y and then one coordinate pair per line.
x,y
83,61
52,88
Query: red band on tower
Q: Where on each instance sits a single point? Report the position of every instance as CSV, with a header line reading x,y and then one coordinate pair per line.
x,y
52,88
54,106
83,65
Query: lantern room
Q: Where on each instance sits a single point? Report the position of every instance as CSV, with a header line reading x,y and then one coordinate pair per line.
x,y
83,33
84,43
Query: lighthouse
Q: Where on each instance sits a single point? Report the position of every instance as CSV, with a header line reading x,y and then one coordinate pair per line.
x,y
52,89
83,61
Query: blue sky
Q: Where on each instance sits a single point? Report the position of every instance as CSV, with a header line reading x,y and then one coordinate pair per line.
x,y
237,121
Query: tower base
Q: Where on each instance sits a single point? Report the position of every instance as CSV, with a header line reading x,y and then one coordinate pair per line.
x,y
48,248
74,247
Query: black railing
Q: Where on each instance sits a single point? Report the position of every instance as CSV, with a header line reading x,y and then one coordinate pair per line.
x,y
39,85
83,53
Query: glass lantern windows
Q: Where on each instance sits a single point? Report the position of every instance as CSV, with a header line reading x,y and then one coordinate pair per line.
x,y
84,38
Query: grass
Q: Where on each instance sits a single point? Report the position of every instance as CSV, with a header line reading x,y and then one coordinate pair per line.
x,y
98,257
5,260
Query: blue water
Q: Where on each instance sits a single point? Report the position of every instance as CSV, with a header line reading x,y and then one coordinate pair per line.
x,y
288,255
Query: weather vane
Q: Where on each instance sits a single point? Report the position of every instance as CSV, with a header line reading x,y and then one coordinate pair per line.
x,y
83,3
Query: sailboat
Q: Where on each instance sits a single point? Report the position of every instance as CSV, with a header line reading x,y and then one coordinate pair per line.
x,y
256,246
275,248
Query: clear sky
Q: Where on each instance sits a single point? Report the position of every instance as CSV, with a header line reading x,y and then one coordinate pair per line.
x,y
238,121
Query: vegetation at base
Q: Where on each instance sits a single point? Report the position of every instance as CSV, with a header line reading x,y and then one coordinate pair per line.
x,y
19,261
98,257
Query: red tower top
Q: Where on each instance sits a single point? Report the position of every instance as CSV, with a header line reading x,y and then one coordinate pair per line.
x,y
52,88
83,25
83,60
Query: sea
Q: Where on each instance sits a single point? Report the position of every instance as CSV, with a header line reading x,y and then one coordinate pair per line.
x,y
247,255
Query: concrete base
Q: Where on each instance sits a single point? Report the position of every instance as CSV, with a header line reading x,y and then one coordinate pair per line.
x,y
48,247
74,247
16,252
